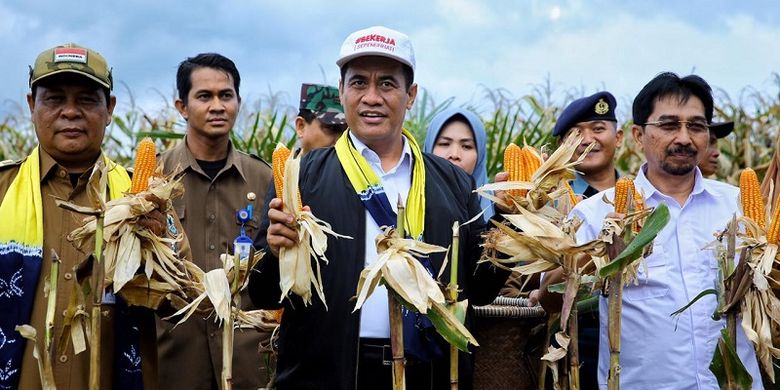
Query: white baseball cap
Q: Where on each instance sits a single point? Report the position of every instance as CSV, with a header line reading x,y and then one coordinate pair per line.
x,y
377,41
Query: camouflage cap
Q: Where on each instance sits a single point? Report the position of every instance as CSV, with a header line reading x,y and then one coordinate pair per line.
x,y
74,59
323,102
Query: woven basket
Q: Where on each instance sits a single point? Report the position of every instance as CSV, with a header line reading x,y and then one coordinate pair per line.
x,y
510,348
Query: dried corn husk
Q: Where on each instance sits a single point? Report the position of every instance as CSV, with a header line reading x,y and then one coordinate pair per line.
x,y
44,364
130,246
397,267
295,264
213,294
548,181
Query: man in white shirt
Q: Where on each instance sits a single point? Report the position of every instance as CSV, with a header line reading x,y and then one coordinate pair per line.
x,y
671,116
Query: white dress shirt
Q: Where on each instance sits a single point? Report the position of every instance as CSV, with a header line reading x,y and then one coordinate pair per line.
x,y
374,315
659,351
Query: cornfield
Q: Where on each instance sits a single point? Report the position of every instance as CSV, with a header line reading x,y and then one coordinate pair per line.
x,y
527,119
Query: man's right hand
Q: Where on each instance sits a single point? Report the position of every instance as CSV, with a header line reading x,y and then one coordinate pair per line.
x,y
280,234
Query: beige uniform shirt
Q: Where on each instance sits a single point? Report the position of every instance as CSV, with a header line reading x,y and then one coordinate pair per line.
x,y
191,354
72,371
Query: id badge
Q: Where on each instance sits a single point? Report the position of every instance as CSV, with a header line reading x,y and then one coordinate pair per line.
x,y
242,246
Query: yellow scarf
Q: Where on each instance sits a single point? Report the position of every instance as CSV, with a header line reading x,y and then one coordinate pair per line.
x,y
21,255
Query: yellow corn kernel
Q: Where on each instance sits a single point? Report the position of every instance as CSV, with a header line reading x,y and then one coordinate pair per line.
x,y
570,192
639,202
278,161
145,164
531,163
623,187
773,235
750,197
513,165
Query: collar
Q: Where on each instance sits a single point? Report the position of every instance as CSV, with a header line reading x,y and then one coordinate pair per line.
x,y
49,165
580,185
373,158
182,153
642,184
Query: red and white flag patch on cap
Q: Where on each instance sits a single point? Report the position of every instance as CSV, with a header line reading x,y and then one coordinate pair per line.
x,y
70,54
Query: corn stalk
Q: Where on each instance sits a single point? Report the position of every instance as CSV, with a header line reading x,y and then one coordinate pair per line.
x,y
51,306
396,319
452,288
98,286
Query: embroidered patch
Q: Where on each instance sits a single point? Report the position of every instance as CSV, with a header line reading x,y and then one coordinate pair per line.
x,y
70,54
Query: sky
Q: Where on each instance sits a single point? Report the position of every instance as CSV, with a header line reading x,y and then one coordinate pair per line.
x,y
463,48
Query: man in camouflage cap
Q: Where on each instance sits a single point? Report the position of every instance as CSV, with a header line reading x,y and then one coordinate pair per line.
x,y
321,118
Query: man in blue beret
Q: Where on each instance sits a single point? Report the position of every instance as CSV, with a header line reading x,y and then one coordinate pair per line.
x,y
595,117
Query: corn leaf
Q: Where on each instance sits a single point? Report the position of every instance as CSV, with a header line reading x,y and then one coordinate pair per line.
x,y
449,327
709,291
735,376
633,251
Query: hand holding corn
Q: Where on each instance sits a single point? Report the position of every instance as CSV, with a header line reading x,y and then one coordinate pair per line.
x,y
280,234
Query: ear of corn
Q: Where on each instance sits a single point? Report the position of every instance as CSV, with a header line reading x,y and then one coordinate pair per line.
x,y
639,202
278,161
145,163
521,165
750,197
773,234
513,165
531,162
623,188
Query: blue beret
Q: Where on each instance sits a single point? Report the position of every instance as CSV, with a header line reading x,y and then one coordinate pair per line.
x,y
597,107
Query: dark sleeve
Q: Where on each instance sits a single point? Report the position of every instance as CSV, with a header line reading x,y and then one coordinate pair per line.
x,y
264,279
261,240
485,280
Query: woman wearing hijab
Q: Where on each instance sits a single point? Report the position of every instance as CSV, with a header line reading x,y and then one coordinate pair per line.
x,y
458,135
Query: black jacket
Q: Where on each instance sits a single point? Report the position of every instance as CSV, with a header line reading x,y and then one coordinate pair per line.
x,y
318,349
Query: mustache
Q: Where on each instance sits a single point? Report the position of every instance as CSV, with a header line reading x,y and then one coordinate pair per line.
x,y
681,150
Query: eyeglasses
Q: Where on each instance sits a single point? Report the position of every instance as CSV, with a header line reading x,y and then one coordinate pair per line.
x,y
695,126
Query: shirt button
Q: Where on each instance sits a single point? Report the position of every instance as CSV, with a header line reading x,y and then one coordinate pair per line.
x,y
62,173
65,313
212,247
68,276
63,358
212,217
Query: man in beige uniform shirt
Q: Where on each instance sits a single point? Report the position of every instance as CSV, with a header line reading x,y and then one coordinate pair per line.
x,y
70,104
217,179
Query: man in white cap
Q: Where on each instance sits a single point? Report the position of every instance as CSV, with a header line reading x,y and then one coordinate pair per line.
x,y
354,187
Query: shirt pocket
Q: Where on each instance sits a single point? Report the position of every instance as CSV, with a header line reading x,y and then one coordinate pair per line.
x,y
652,278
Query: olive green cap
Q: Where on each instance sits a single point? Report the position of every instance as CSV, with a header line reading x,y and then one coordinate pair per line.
x,y
71,58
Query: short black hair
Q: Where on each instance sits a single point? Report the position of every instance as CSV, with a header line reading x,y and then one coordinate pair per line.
x,y
307,115
204,60
406,69
670,84
69,78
